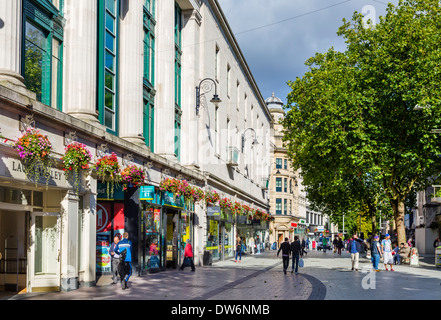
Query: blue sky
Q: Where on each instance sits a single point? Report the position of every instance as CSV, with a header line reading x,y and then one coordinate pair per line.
x,y
278,36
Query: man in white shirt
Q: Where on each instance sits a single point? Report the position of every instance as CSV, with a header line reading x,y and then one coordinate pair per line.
x,y
386,246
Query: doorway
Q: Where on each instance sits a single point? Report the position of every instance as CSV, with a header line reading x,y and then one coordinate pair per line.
x,y
172,238
14,231
45,252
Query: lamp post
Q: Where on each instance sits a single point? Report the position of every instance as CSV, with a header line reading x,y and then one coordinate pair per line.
x,y
207,87
243,137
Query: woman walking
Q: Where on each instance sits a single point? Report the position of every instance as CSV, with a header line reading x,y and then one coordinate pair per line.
x,y
238,248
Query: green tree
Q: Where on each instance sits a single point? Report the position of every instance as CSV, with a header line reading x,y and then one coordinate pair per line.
x,y
371,108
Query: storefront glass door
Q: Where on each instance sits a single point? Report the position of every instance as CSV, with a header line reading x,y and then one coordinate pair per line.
x,y
45,269
172,239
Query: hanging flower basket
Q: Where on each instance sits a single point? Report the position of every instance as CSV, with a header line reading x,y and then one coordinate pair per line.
x,y
76,158
108,170
236,209
174,186
212,197
34,150
132,176
194,194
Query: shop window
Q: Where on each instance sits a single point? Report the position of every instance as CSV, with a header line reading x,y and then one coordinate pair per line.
x,y
152,218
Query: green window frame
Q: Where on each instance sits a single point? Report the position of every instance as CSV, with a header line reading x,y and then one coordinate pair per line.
x,y
178,80
42,50
149,74
149,42
108,36
285,206
149,119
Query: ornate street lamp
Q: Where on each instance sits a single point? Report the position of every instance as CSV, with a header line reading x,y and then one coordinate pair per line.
x,y
207,87
243,138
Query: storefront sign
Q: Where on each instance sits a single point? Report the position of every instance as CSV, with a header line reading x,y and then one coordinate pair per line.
x,y
118,192
241,219
213,211
170,200
302,221
147,193
13,168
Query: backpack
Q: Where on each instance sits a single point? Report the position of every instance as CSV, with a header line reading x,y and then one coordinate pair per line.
x,y
123,255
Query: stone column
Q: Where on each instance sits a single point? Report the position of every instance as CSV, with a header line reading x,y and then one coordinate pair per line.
x,y
11,42
131,71
87,251
190,79
69,242
80,59
165,79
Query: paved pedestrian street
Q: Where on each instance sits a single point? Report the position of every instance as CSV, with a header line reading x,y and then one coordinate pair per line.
x,y
325,276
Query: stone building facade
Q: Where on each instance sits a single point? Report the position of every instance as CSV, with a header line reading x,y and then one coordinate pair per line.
x,y
134,78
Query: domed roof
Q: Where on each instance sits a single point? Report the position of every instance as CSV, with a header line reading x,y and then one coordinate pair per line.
x,y
274,102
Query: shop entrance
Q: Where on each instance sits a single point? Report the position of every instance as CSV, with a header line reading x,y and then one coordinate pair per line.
x,y
45,250
14,228
172,238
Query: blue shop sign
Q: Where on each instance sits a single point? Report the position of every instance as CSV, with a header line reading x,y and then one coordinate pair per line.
x,y
147,193
169,199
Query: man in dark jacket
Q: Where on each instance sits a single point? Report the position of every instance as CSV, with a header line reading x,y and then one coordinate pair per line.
x,y
286,250
354,248
125,265
296,249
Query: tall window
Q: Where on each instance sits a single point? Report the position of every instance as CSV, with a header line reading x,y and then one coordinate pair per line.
x,y
216,63
108,64
216,130
149,73
178,54
278,163
278,184
43,50
278,206
285,206
228,79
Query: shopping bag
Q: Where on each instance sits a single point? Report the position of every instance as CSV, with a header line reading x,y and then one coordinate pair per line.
x,y
187,262
301,263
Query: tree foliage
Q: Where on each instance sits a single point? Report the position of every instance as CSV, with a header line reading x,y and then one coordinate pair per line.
x,y
359,122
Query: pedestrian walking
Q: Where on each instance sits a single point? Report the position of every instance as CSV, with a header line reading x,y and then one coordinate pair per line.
x,y
303,248
334,244
258,244
114,260
296,249
252,244
436,243
238,248
354,248
286,251
124,249
188,257
376,253
324,244
340,245
386,246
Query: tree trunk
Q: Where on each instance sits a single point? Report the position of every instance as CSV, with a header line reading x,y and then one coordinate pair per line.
x,y
374,225
399,212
